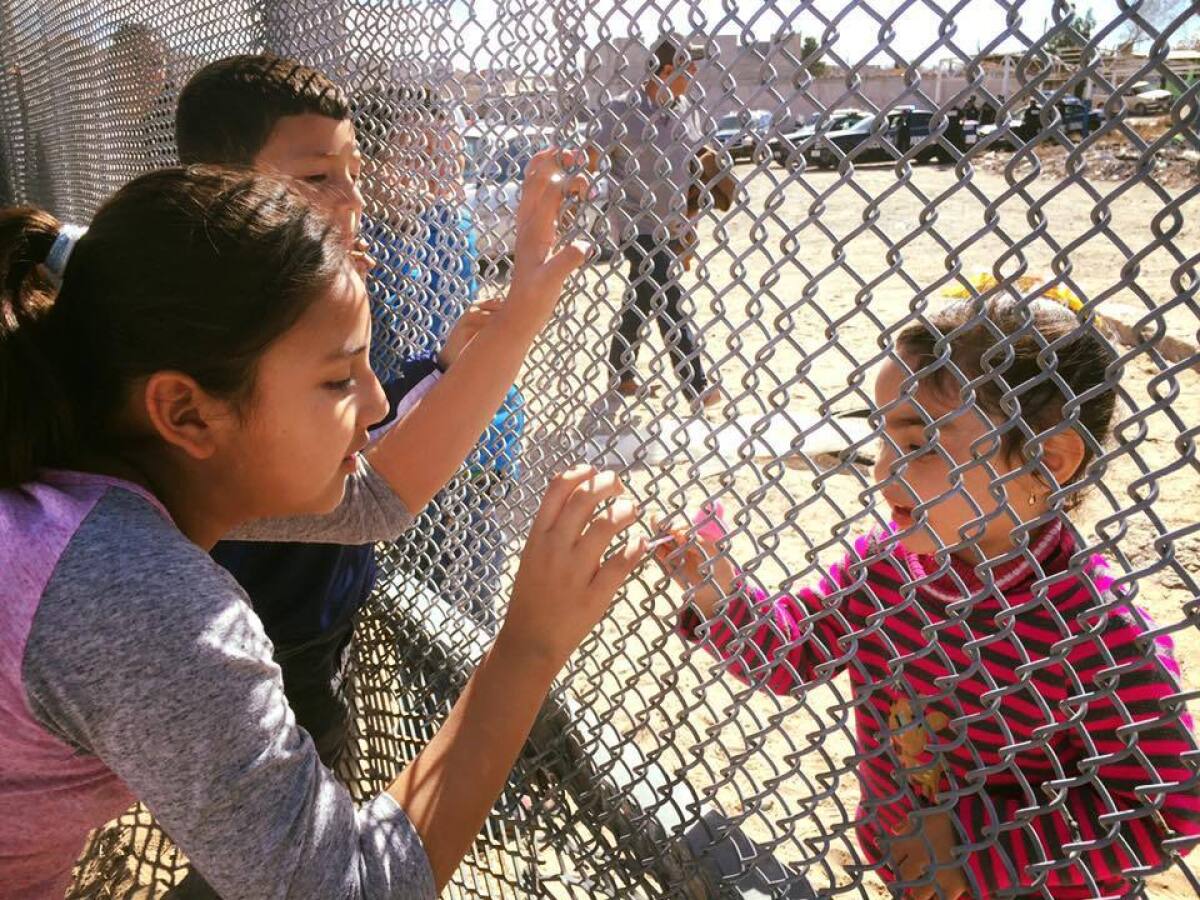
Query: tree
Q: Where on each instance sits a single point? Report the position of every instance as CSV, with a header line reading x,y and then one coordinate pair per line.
x,y
1066,40
1157,14
812,60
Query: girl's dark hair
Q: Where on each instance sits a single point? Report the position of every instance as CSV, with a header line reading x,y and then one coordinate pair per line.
x,y
195,270
1053,365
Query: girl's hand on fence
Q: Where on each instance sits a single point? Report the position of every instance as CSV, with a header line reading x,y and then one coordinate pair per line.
x,y
469,324
539,270
931,840
696,564
564,586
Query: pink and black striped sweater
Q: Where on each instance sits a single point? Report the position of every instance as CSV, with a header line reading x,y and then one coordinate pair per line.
x,y
1056,726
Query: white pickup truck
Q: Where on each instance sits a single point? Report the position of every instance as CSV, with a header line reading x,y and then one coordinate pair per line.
x,y
1144,99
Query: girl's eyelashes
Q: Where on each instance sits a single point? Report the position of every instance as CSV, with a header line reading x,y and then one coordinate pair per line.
x,y
314,179
341,387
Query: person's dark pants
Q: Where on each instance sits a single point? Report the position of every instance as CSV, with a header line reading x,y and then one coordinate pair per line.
x,y
656,296
463,560
312,680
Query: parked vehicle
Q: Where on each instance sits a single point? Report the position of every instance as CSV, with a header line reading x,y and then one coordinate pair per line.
x,y
1144,99
1073,111
739,132
494,172
860,143
790,136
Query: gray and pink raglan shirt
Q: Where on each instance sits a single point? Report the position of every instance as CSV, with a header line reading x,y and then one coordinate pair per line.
x,y
132,666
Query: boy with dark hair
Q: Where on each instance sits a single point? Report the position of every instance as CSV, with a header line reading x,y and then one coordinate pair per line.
x,y
229,109
279,115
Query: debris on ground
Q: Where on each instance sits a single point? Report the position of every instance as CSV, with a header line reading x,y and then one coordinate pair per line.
x,y
1175,163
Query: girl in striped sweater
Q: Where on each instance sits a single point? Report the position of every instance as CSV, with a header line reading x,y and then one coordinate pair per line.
x,y
1019,727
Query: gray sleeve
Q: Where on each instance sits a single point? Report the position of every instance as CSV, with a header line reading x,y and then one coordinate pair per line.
x,y
369,512
146,654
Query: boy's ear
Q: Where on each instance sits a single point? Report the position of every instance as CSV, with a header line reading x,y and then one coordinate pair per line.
x,y
184,414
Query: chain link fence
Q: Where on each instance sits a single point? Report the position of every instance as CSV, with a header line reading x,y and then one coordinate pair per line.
x,y
869,161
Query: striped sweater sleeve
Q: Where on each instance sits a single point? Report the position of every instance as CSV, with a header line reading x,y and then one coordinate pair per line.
x,y
1134,797
785,641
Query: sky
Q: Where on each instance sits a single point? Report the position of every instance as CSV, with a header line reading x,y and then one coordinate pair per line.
x,y
519,31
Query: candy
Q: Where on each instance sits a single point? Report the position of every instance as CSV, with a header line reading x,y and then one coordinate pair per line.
x,y
710,521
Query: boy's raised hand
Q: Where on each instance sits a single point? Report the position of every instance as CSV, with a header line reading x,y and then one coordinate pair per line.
x,y
460,405
469,324
540,270
565,586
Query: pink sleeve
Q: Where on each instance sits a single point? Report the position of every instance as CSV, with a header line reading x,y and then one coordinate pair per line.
x,y
1136,794
783,642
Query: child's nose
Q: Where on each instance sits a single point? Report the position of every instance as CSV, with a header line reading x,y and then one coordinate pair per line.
x,y
375,404
356,200
349,199
883,462
898,493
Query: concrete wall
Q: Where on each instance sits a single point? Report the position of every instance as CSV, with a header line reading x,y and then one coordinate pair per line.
x,y
769,76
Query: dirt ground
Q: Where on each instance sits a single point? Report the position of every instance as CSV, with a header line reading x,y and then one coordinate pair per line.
x,y
793,308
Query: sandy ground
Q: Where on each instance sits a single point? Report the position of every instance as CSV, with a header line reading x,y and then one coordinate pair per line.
x,y
793,308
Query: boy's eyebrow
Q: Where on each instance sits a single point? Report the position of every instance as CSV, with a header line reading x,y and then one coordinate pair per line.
x,y
905,420
912,420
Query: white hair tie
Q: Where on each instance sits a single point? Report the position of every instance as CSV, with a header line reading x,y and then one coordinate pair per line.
x,y
60,250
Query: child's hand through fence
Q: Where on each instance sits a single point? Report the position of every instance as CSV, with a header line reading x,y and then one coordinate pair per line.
x,y
698,562
565,585
469,324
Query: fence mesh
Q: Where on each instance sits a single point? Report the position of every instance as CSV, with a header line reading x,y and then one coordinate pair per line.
x,y
884,156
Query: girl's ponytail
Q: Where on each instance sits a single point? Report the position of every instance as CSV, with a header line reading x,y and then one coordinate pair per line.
x,y
26,237
35,418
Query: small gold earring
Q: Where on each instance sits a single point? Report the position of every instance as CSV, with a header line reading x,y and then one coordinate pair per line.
x,y
1033,499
